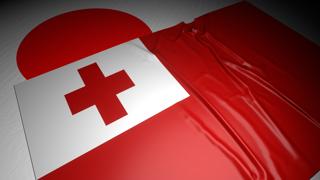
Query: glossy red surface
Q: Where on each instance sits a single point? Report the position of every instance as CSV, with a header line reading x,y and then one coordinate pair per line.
x,y
253,110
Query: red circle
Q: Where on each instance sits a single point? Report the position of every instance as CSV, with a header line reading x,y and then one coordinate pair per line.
x,y
74,35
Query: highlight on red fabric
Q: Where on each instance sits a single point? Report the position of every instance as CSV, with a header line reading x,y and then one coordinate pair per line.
x,y
74,35
260,80
252,111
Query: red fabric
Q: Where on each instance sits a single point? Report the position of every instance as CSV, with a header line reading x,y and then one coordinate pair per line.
x,y
252,111
260,79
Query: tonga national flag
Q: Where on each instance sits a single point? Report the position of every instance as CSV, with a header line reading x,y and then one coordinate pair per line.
x,y
231,95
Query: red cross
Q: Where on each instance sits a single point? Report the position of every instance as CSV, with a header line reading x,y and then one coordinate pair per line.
x,y
100,91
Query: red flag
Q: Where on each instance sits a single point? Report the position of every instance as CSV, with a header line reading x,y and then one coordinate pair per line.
x,y
251,114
